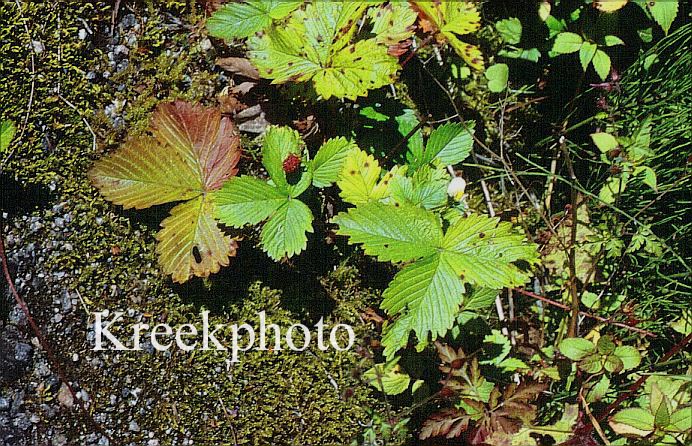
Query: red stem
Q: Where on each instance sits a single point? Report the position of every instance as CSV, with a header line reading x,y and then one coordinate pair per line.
x,y
584,313
41,339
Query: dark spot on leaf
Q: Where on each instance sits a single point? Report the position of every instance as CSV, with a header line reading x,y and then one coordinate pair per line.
x,y
196,254
481,234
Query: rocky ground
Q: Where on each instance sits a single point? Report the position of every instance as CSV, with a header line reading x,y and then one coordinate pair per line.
x,y
70,253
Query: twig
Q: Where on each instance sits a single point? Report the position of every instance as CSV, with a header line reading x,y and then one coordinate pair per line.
x,y
406,138
41,339
583,313
73,107
593,420
574,320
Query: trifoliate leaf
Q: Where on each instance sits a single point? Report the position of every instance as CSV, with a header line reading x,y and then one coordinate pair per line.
x,y
576,348
247,201
429,292
284,235
193,150
388,377
390,233
360,179
316,45
190,242
664,12
279,143
451,143
393,22
329,161
497,76
451,19
7,131
601,63
510,30
245,18
567,42
482,251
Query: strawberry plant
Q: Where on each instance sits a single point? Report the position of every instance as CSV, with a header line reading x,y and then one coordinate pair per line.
x,y
246,200
324,42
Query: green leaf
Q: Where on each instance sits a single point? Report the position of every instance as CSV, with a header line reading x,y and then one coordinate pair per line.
x,y
659,406
566,43
243,19
427,187
482,250
406,123
576,348
329,161
680,420
663,12
601,63
510,30
429,292
279,143
284,235
388,377
501,340
7,131
599,390
587,53
451,143
315,45
247,201
480,298
632,422
629,356
497,76
532,54
605,345
592,364
605,142
649,176
395,234
191,152
613,40
613,364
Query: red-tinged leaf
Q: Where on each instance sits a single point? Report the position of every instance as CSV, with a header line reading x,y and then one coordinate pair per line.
x,y
449,423
193,150
211,139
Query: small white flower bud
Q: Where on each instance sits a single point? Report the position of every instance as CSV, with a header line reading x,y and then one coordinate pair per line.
x,y
456,188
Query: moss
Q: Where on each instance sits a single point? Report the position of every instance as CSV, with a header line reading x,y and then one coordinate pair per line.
x,y
109,260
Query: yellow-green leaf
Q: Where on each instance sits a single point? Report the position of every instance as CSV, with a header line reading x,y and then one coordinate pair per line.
x,y
190,242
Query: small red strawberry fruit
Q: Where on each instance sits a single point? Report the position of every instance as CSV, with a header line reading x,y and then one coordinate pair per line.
x,y
291,163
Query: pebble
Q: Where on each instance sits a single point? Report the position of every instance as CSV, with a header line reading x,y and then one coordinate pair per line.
x,y
133,426
22,352
59,440
4,404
